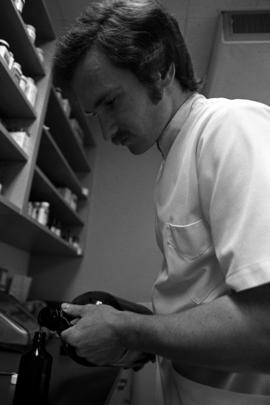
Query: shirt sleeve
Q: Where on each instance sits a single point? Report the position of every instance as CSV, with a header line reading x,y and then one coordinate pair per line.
x,y
234,181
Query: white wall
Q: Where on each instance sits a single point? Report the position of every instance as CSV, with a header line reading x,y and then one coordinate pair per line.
x,y
121,255
14,260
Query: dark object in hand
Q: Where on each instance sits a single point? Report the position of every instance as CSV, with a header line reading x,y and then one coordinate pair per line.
x,y
57,320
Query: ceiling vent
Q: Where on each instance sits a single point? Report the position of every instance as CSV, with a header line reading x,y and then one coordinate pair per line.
x,y
250,23
240,60
239,25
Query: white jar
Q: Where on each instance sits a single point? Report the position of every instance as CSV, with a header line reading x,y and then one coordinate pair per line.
x,y
31,32
31,91
23,83
40,53
21,137
19,4
11,60
5,52
17,72
43,213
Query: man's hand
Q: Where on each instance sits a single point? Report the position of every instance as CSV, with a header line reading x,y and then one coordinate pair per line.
x,y
93,333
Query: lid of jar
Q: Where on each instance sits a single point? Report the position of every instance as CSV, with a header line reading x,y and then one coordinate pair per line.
x,y
17,65
30,80
3,42
31,27
45,204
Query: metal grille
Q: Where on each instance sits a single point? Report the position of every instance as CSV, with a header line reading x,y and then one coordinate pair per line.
x,y
251,23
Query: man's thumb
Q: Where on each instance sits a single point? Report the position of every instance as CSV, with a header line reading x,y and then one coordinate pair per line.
x,y
72,309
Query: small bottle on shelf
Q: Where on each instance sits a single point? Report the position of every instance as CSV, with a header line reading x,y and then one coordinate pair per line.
x,y
43,213
19,4
31,31
17,72
34,374
23,82
40,54
5,51
31,91
21,137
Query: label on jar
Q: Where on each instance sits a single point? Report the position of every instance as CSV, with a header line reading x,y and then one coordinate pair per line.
x,y
4,51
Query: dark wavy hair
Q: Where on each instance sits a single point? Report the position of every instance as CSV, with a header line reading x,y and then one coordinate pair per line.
x,y
139,35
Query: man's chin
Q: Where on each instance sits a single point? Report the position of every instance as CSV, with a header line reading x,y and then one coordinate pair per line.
x,y
137,149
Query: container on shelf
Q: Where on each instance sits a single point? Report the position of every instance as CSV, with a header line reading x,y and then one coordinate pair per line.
x,y
74,201
40,53
23,83
31,91
58,92
85,192
30,209
21,137
5,52
17,72
43,212
66,106
77,129
11,61
19,4
35,209
31,31
56,228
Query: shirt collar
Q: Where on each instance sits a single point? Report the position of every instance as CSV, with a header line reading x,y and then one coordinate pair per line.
x,y
175,125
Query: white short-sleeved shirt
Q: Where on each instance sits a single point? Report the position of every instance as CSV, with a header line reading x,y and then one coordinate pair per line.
x,y
213,204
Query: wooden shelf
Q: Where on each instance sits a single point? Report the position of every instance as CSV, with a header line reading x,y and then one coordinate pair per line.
x,y
79,113
25,233
13,103
44,190
9,150
12,30
64,136
57,167
35,12
56,158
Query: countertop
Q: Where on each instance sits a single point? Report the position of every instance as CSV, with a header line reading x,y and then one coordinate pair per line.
x,y
70,383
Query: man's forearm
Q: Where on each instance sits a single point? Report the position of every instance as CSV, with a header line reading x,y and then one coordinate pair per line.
x,y
231,333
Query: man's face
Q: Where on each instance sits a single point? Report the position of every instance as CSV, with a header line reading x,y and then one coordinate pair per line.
x,y
126,113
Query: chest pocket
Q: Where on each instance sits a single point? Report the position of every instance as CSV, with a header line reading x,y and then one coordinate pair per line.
x,y
190,241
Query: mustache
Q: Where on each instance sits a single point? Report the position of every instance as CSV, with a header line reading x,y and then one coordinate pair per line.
x,y
120,136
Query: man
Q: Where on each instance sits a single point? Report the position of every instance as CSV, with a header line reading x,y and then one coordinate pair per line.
x,y
211,324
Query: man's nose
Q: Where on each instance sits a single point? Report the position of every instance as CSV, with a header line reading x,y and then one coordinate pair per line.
x,y
108,127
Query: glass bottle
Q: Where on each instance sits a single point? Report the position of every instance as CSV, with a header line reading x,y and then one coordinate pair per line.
x,y
34,373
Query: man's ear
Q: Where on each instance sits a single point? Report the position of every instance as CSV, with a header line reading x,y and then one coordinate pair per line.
x,y
162,82
168,77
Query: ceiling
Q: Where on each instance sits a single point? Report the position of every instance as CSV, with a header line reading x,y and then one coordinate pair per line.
x,y
197,18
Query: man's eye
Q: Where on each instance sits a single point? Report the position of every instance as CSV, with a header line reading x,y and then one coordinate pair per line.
x,y
110,102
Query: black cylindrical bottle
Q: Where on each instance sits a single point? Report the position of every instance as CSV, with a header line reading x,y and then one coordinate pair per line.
x,y
34,373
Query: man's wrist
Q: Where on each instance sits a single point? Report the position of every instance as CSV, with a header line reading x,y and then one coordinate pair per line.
x,y
128,327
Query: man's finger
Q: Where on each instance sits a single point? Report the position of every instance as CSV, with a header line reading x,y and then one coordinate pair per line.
x,y
72,309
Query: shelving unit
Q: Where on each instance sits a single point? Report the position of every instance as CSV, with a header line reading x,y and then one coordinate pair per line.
x,y
64,136
13,102
30,235
56,158
9,150
57,168
44,190
13,29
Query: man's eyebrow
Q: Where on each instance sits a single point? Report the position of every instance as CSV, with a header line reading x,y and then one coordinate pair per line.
x,y
99,101
102,98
